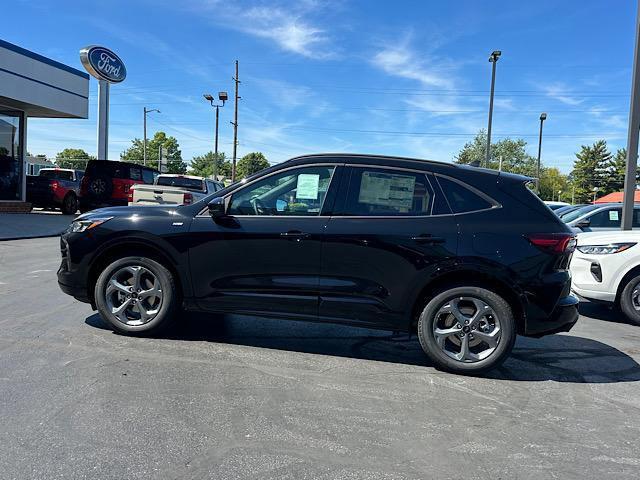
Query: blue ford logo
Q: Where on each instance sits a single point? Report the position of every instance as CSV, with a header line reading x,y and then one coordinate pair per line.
x,y
103,64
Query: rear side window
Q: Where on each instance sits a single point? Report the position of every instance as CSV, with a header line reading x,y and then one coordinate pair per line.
x,y
461,198
386,192
107,168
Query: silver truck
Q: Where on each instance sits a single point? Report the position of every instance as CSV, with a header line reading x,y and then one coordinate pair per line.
x,y
170,189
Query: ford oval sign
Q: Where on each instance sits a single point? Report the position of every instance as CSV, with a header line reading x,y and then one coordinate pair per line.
x,y
103,64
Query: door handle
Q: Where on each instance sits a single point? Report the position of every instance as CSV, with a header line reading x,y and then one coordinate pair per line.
x,y
427,238
295,235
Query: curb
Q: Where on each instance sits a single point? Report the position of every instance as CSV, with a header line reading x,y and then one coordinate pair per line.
x,y
27,237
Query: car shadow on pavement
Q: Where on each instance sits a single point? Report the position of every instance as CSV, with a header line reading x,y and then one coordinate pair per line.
x,y
603,311
560,358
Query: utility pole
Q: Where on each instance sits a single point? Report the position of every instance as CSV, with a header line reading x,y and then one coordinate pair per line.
x,y
144,139
634,131
235,127
493,58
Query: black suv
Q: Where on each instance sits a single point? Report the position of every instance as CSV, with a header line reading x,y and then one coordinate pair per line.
x,y
108,183
467,257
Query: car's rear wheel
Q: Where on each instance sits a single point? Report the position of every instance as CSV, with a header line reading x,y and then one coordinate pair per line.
x,y
136,295
70,204
630,300
467,330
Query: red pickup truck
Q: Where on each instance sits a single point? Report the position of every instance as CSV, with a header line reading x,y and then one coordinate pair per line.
x,y
55,188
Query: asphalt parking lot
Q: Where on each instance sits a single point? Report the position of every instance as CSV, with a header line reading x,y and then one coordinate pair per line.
x,y
240,397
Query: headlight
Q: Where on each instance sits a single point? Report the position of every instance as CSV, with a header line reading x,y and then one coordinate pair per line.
x,y
605,249
82,225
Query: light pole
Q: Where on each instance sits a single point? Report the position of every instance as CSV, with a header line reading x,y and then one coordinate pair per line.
x,y
144,141
493,58
543,117
223,97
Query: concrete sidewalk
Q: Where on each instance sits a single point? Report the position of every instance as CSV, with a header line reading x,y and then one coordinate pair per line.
x,y
16,226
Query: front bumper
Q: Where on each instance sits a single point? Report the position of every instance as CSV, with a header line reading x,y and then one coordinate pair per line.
x,y
70,281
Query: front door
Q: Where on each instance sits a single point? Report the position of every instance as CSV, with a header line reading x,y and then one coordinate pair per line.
x,y
264,257
382,244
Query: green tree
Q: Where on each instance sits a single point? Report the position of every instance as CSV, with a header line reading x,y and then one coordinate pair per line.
x,y
203,165
73,158
591,169
251,163
511,152
135,153
553,181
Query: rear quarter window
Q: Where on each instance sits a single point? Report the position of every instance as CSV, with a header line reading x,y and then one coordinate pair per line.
x,y
462,198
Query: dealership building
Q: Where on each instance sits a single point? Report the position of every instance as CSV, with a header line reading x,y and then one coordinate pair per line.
x,y
31,86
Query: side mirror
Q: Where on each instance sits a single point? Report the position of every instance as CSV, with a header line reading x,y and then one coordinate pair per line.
x,y
217,208
583,224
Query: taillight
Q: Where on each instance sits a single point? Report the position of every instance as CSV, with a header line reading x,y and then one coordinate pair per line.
x,y
187,199
54,184
84,183
553,242
130,195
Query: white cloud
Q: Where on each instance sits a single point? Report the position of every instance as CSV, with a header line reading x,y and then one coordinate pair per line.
x,y
288,26
400,61
560,92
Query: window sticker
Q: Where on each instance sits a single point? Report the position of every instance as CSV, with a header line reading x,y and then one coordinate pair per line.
x,y
308,186
613,215
395,191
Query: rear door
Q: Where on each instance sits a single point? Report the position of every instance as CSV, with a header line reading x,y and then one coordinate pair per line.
x,y
389,232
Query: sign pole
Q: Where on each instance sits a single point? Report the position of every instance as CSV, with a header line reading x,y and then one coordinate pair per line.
x,y
103,120
632,138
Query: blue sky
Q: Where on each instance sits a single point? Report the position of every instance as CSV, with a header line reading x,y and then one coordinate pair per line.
x,y
404,77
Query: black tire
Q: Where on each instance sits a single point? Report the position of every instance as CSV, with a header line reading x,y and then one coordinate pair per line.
x,y
169,303
443,361
626,300
70,204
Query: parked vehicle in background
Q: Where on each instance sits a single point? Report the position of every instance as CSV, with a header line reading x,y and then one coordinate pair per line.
x,y
556,205
606,268
380,242
170,189
106,183
565,211
55,188
600,217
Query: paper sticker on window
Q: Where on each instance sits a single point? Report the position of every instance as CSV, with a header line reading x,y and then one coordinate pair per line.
x,y
308,186
613,215
395,191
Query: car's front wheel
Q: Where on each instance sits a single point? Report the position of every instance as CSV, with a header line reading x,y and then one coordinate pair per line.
x,y
136,295
630,300
467,330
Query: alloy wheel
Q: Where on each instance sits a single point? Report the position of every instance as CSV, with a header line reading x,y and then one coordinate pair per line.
x,y
134,295
467,329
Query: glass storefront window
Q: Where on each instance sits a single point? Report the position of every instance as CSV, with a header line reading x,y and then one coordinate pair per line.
x,y
10,155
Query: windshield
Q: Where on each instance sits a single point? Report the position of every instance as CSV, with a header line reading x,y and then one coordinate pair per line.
x,y
194,184
571,216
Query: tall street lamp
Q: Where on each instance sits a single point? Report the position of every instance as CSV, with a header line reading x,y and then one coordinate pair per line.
x,y
493,58
223,97
543,117
144,141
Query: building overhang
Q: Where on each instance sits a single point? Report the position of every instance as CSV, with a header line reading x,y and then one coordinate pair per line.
x,y
41,87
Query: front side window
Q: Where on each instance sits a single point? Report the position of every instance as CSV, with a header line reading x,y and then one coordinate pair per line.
x,y
147,176
386,192
606,219
293,192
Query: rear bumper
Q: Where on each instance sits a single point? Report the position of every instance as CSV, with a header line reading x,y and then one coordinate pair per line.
x,y
43,199
562,319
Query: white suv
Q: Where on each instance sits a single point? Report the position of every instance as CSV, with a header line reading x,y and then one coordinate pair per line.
x,y
606,267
